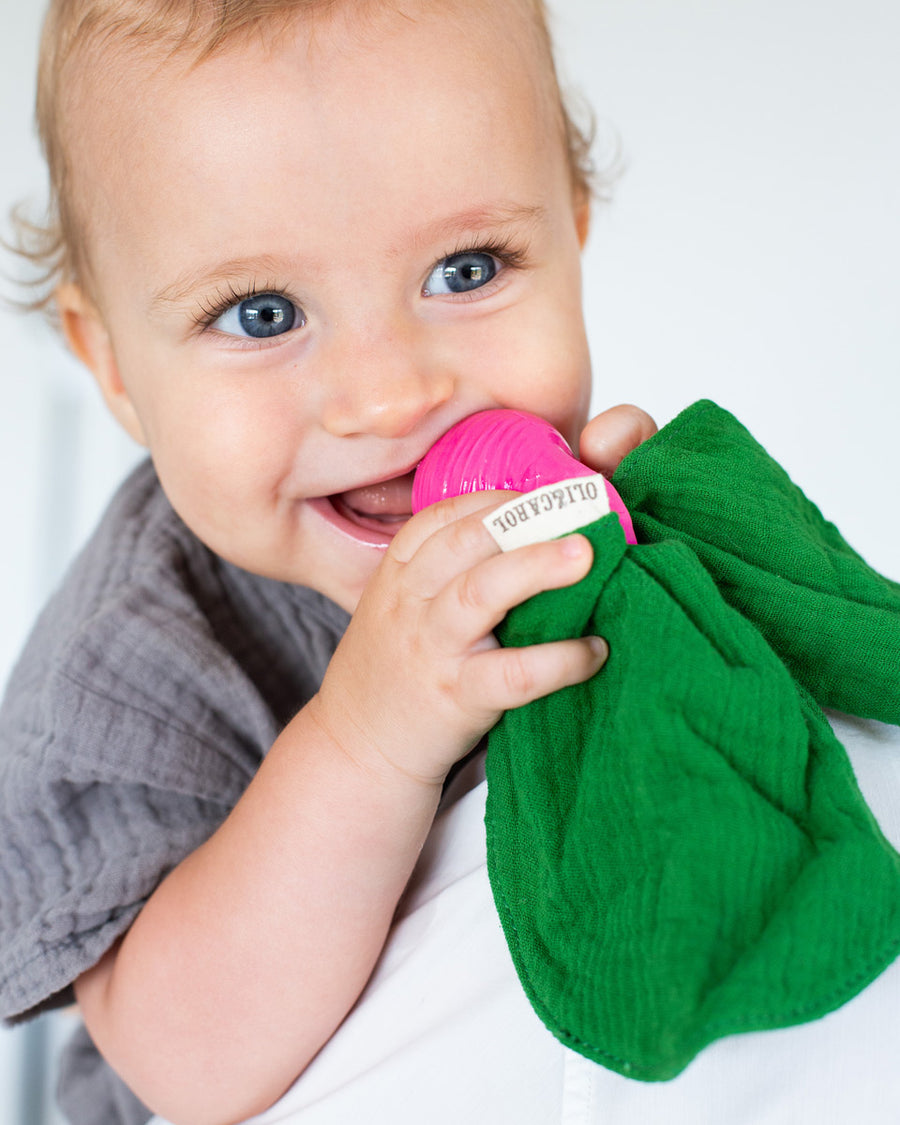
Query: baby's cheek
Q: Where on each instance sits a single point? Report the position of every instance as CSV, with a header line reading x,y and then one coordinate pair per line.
x,y
230,441
546,370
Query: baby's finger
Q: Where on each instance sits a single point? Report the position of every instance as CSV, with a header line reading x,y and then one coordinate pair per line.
x,y
510,677
432,556
438,518
481,596
613,434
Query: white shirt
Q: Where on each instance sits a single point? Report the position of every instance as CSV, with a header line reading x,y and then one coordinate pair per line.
x,y
444,1034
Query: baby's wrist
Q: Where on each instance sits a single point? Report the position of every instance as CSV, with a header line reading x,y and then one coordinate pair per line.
x,y
368,755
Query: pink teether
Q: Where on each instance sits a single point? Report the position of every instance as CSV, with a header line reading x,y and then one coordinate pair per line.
x,y
502,449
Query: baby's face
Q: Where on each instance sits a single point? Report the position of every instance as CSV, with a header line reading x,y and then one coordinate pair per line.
x,y
312,258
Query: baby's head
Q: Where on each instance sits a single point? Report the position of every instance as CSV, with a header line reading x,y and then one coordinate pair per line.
x,y
78,34
299,240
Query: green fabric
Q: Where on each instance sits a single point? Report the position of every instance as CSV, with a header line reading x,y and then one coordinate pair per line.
x,y
678,849
832,619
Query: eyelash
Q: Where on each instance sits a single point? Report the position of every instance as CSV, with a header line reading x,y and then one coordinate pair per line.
x,y
503,250
210,309
509,256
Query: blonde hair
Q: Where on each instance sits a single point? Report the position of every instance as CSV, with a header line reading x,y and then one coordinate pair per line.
x,y
54,249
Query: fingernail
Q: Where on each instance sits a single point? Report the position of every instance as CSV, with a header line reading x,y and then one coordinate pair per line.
x,y
599,648
574,546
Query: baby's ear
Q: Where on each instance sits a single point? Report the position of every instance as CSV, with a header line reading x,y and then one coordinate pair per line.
x,y
582,205
89,340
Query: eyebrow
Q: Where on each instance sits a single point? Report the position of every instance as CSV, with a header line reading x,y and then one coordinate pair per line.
x,y
221,273
479,219
471,221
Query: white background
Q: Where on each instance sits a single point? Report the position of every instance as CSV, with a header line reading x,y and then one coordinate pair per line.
x,y
751,254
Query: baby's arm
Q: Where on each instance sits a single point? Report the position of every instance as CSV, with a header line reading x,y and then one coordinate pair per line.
x,y
252,951
248,956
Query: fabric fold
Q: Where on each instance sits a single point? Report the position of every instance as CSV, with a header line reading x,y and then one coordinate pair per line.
x,y
678,849
834,621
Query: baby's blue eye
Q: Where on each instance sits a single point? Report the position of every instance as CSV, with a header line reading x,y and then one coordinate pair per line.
x,y
461,273
261,316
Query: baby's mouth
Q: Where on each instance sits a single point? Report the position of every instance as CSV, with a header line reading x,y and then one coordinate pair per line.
x,y
374,513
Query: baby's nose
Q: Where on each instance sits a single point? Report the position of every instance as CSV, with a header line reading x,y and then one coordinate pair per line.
x,y
386,392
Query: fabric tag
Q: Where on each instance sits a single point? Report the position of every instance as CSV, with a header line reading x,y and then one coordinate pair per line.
x,y
549,512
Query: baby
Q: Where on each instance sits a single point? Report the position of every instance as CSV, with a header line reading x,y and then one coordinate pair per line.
x,y
297,241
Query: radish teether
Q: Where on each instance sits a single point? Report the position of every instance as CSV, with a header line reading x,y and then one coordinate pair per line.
x,y
503,449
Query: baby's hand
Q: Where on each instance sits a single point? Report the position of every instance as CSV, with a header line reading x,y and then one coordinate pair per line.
x,y
419,677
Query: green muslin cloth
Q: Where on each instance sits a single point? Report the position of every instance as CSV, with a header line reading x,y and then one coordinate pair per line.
x,y
678,849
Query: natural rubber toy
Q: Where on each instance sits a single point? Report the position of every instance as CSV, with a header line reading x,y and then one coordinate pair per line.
x,y
503,449
678,849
